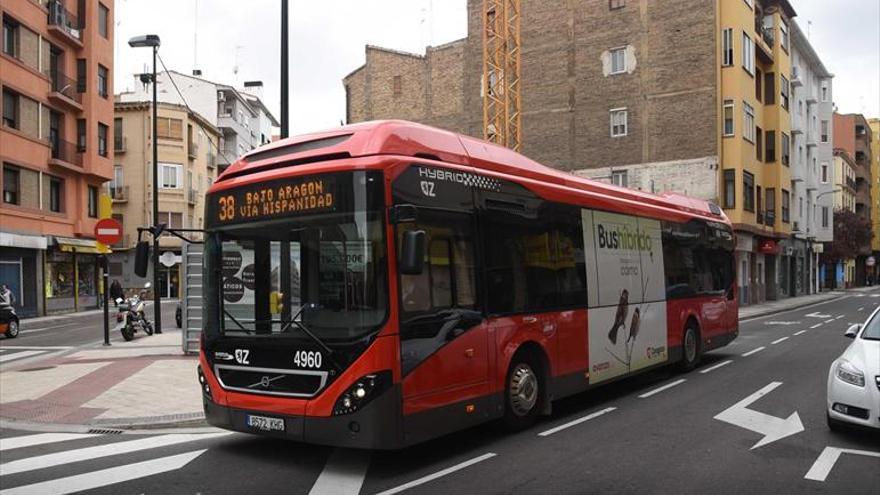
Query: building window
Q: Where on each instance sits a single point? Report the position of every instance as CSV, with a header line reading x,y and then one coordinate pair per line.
x,y
167,128
170,176
56,187
769,88
748,191
398,85
80,135
103,16
759,144
618,60
618,122
770,205
760,201
748,54
102,139
118,143
824,90
619,178
729,188
727,47
748,122
824,134
11,185
759,83
171,219
824,172
786,200
616,4
801,206
10,109
825,217
784,90
728,118
783,35
93,201
10,37
770,146
81,75
102,80
786,148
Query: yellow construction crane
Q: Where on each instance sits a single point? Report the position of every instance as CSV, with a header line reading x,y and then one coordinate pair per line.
x,y
502,116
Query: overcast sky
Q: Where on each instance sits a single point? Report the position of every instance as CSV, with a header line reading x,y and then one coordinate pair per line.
x,y
233,44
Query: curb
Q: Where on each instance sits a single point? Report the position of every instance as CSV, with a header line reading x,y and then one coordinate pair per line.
x,y
113,425
790,308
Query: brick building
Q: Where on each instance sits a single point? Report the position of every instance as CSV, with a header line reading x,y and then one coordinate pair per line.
x,y
56,73
853,134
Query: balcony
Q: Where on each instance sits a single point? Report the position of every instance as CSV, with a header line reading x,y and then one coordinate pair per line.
x,y
65,155
64,24
120,144
851,183
119,194
192,149
212,160
191,196
64,91
796,80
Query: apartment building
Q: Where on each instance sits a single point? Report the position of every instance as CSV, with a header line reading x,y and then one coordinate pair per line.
x,y
842,273
241,116
56,75
187,144
874,124
853,135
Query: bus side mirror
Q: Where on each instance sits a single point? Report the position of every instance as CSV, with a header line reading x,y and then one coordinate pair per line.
x,y
412,254
141,258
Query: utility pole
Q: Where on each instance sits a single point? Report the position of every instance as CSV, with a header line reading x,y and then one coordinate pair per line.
x,y
285,114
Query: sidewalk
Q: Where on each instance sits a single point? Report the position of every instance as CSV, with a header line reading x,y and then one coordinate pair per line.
x,y
788,304
144,383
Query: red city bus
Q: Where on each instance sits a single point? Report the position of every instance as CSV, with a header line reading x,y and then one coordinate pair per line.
x,y
384,283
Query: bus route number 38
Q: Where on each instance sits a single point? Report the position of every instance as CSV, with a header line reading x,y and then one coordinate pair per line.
x,y
307,359
227,208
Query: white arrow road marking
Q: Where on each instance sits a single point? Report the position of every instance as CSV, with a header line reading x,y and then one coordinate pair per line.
x,y
826,460
662,388
576,422
118,448
438,474
344,473
40,439
771,427
106,477
713,368
782,323
816,314
753,351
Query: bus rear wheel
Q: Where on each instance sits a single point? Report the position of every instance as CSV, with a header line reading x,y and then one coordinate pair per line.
x,y
690,347
523,393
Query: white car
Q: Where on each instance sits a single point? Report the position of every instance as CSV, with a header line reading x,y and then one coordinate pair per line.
x,y
854,378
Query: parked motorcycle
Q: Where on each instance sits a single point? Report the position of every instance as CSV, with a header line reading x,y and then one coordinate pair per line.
x,y
131,316
8,321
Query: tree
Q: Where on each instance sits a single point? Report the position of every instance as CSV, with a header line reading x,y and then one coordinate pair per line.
x,y
852,235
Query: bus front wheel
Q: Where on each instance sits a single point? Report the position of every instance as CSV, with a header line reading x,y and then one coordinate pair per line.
x,y
690,347
523,393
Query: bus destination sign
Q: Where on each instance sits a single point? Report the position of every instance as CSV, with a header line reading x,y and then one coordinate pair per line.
x,y
274,199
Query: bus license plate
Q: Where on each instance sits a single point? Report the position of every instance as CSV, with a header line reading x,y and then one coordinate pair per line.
x,y
265,424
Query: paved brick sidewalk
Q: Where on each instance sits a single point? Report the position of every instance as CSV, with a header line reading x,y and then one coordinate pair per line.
x,y
146,382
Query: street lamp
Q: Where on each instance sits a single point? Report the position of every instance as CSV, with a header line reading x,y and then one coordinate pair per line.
x,y
152,41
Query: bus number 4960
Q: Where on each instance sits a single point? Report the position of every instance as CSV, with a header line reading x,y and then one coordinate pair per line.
x,y
307,359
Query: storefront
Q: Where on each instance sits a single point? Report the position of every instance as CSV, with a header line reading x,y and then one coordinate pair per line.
x,y
21,262
72,275
769,250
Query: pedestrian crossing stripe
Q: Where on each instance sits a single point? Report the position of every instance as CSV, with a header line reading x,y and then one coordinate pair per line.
x,y
13,356
40,439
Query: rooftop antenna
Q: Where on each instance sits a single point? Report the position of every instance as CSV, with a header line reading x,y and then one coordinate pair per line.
x,y
809,25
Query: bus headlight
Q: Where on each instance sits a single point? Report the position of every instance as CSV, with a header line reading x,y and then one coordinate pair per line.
x,y
362,392
203,382
848,373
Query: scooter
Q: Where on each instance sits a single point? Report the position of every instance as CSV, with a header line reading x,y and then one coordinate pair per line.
x,y
131,316
8,321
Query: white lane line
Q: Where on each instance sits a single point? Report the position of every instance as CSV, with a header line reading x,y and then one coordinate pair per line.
x,y
106,477
826,460
839,317
713,368
660,389
862,308
40,439
817,325
576,422
829,320
799,332
18,355
118,448
438,474
753,351
779,340
343,474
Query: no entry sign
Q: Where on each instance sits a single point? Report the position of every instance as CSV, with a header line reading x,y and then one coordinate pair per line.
x,y
108,231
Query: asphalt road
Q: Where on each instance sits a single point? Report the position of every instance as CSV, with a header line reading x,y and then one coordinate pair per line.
x,y
640,438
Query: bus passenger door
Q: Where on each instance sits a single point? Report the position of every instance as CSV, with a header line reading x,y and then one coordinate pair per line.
x,y
443,337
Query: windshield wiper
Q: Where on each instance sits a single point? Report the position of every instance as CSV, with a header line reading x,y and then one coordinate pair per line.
x,y
309,334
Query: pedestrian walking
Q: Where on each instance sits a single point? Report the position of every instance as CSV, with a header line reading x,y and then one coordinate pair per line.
x,y
7,298
115,291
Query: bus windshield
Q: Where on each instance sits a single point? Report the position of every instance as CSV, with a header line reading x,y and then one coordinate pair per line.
x,y
324,271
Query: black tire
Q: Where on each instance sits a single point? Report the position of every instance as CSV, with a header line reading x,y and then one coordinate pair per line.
x,y
691,347
523,392
12,330
127,333
148,328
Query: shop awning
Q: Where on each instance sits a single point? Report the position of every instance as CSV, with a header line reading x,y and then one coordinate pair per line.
x,y
8,239
72,245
